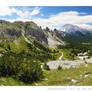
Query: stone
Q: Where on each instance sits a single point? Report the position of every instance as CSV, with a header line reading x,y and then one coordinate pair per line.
x,y
85,76
74,81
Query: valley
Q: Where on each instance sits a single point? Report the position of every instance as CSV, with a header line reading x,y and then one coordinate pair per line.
x,y
31,55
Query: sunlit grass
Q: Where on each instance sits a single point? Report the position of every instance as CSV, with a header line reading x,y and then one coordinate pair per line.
x,y
64,77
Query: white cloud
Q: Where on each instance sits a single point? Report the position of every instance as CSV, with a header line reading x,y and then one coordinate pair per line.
x,y
41,14
86,26
28,14
6,10
35,12
18,19
71,17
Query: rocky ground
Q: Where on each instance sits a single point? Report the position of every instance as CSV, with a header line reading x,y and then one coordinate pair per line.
x,y
68,64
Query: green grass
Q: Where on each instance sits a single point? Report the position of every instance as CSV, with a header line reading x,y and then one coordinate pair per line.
x,y
68,55
9,82
64,77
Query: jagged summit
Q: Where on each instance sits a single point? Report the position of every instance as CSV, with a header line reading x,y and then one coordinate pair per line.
x,y
31,30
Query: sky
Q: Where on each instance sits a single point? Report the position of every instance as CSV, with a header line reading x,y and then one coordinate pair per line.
x,y
49,16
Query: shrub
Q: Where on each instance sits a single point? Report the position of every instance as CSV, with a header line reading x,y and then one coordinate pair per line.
x,y
21,68
46,67
30,72
59,67
9,65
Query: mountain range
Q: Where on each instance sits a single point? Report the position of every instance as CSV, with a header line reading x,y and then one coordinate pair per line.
x,y
31,31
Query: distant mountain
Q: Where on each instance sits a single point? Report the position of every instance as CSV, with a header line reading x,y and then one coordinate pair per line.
x,y
74,30
74,34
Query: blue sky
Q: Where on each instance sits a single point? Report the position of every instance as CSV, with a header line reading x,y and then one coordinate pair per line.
x,y
53,17
51,10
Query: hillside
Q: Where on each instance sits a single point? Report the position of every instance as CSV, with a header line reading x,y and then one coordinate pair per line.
x,y
14,30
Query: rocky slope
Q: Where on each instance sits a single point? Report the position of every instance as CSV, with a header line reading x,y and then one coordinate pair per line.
x,y
11,31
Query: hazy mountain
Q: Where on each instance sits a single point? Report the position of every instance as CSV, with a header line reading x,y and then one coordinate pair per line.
x,y
74,34
74,30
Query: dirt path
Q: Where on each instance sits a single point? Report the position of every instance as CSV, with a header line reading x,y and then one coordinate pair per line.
x,y
26,39
60,58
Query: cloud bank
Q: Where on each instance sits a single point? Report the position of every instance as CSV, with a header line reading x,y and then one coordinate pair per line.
x,y
71,17
81,19
26,15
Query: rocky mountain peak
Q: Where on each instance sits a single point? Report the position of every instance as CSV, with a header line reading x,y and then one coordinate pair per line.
x,y
74,30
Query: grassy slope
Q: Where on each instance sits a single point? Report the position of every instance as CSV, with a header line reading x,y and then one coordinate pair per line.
x,y
9,81
64,77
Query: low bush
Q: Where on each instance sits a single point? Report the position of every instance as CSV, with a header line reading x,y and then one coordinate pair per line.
x,y
30,72
46,67
59,67
21,68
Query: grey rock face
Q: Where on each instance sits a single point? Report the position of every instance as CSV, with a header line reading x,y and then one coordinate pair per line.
x,y
9,33
37,34
30,29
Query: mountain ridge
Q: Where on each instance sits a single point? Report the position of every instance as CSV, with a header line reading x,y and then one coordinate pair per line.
x,y
50,38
